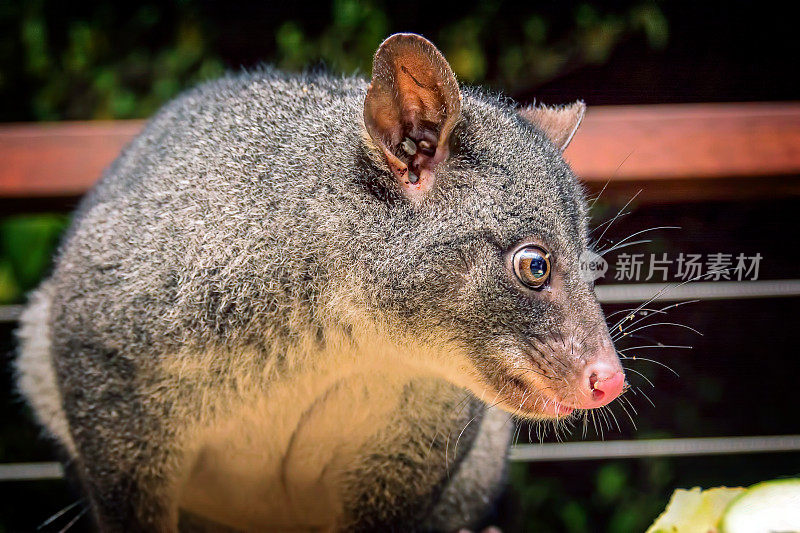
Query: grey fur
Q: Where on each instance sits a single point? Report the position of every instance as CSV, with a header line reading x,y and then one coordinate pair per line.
x,y
251,215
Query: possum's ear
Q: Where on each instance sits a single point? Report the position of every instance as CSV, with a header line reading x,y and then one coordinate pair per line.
x,y
559,123
411,107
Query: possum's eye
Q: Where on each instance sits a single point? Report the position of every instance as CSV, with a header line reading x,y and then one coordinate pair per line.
x,y
532,266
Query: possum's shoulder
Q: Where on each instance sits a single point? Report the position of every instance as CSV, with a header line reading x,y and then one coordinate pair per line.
x,y
223,160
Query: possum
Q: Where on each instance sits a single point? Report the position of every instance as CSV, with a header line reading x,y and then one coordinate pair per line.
x,y
309,302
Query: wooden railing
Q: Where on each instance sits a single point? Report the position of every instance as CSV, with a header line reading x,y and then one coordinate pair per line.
x,y
672,152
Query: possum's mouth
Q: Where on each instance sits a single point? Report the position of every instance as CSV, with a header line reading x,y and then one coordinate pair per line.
x,y
552,395
527,400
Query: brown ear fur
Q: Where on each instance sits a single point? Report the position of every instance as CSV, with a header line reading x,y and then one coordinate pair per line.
x,y
411,108
559,123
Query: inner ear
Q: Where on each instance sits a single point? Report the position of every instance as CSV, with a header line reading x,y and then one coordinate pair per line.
x,y
411,107
559,123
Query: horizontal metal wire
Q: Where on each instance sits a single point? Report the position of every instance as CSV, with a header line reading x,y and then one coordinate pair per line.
x,y
565,451
697,290
577,451
10,313
30,471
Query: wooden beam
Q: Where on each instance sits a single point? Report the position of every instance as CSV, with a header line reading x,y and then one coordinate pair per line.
x,y
690,152
687,141
58,159
673,152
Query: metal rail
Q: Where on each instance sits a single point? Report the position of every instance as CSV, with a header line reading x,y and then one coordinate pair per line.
x,y
31,471
634,449
10,313
566,451
697,290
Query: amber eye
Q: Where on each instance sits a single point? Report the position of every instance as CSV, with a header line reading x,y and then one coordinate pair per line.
x,y
532,266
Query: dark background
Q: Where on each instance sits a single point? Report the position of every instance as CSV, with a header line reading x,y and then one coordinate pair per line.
x,y
104,60
77,60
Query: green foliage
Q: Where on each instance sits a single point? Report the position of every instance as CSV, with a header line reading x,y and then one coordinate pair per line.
x,y
26,248
102,60
346,45
536,44
612,496
611,481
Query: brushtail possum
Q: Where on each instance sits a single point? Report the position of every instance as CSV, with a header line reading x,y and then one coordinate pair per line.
x,y
300,301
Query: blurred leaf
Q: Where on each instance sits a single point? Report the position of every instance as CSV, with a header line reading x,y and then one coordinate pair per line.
x,y
575,518
462,45
347,45
611,482
10,291
653,22
628,518
660,474
103,60
27,244
536,29
34,38
292,49
108,60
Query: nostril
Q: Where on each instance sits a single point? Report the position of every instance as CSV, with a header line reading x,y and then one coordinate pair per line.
x,y
604,387
597,393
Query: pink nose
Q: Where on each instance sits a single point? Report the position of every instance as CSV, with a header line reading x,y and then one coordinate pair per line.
x,y
604,382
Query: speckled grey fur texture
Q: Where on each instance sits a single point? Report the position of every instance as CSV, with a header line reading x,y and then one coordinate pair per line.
x,y
252,214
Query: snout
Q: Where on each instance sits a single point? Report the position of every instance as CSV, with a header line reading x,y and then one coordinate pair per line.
x,y
555,382
601,380
601,383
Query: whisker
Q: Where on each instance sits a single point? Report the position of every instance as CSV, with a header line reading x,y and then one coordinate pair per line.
x,y
602,413
630,403
645,395
676,324
585,423
613,174
663,310
596,198
636,358
611,412
594,423
637,372
74,520
626,213
619,247
627,413
667,288
455,448
632,235
642,347
615,313
640,336
59,514
616,217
